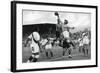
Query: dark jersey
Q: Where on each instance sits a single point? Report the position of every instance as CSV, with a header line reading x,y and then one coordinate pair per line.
x,y
67,44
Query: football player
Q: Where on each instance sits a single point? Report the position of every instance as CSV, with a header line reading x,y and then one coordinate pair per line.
x,y
34,45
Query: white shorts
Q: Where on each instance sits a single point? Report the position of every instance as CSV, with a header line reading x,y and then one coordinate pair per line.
x,y
48,46
65,34
35,56
81,44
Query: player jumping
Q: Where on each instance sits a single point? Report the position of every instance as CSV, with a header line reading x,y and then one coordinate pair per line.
x,y
64,30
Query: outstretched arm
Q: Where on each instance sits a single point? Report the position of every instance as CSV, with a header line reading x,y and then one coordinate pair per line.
x,y
27,40
58,18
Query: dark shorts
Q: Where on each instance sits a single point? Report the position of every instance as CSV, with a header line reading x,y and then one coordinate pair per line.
x,y
66,44
37,53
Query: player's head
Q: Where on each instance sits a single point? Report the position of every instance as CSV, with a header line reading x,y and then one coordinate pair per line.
x,y
84,34
36,36
56,13
65,21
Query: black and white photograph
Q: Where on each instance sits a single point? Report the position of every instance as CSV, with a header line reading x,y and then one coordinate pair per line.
x,y
47,36
56,36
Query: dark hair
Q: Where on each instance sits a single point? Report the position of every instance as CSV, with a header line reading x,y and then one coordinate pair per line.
x,y
65,21
56,13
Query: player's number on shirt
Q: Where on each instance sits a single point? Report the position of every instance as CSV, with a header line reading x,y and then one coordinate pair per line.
x,y
32,48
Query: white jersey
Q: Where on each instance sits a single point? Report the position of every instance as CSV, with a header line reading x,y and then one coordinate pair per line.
x,y
48,46
44,41
65,27
34,46
80,42
86,40
65,31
